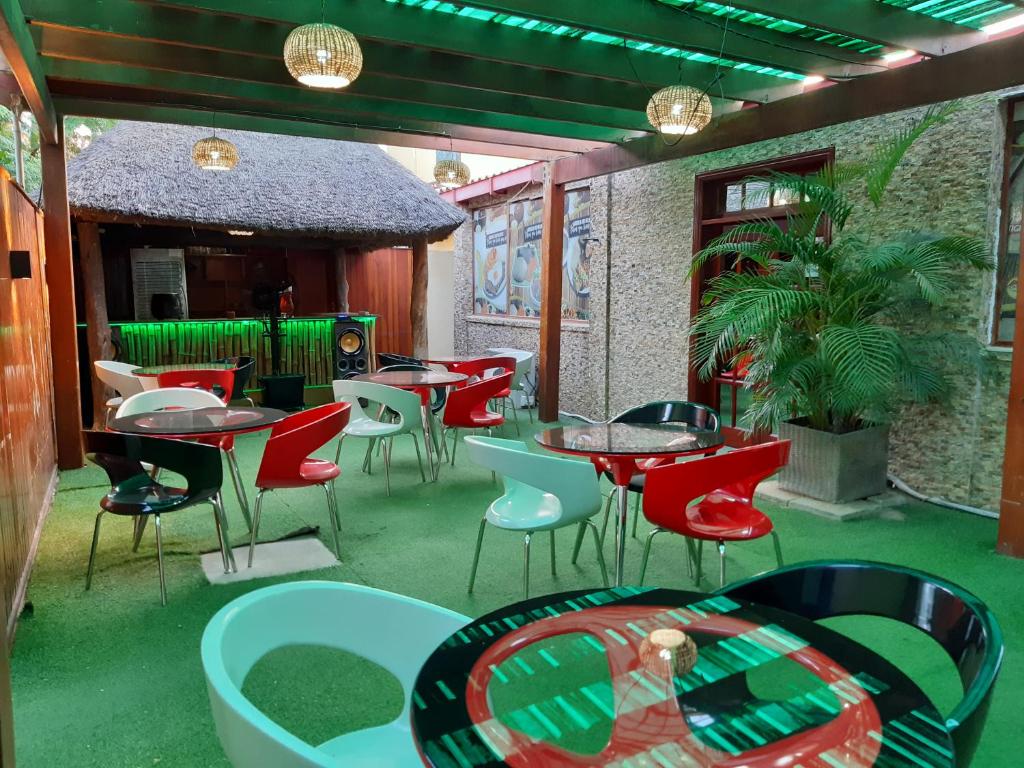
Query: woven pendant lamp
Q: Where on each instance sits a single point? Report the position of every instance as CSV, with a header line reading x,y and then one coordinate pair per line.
x,y
679,110
323,55
451,173
215,154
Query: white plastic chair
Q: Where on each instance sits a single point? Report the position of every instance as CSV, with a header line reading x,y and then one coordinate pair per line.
x,y
119,377
394,631
524,364
406,405
542,493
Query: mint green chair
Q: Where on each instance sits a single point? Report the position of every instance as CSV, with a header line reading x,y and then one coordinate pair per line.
x,y
542,493
399,402
394,631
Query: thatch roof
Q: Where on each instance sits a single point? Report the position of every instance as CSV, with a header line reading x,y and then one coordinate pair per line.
x,y
282,185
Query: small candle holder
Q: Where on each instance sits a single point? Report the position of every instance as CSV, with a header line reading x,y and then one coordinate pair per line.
x,y
668,651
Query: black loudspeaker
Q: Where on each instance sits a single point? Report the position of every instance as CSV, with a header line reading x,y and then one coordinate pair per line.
x,y
351,348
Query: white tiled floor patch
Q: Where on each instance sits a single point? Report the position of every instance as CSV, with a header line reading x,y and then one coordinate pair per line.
x,y
275,558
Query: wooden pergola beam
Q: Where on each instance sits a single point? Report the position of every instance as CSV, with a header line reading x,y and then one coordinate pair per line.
x,y
424,135
990,67
17,47
553,222
418,302
97,325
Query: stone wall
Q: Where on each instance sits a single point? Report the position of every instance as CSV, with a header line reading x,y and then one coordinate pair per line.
x,y
950,182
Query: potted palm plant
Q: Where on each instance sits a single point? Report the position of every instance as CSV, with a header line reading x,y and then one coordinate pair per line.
x,y
833,324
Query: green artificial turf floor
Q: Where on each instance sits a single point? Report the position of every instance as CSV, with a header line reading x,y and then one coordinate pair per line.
x,y
109,678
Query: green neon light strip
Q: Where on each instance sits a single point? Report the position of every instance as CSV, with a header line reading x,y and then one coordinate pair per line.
x,y
141,324
561,30
971,13
776,24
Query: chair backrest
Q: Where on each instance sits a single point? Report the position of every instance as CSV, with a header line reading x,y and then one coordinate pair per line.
x,y
391,358
574,483
479,366
670,488
293,439
523,358
122,456
405,404
672,412
394,631
473,398
960,622
203,378
245,366
119,376
171,397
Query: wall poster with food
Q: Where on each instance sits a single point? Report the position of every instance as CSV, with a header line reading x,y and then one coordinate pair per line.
x,y
575,259
507,258
524,235
490,260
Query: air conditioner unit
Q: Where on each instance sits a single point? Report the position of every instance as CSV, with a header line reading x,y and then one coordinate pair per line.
x,y
526,396
158,272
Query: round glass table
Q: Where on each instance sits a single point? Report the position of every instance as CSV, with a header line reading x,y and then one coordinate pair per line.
x,y
617,447
579,679
198,422
419,381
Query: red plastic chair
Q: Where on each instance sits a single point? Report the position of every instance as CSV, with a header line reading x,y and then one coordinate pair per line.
x,y
726,511
467,407
287,464
478,367
208,379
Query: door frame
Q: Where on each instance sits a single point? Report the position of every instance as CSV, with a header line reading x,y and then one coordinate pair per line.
x,y
706,218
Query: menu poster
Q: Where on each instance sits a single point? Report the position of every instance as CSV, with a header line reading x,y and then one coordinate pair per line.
x,y
575,259
490,260
524,253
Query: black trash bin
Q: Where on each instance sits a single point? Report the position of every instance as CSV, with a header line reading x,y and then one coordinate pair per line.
x,y
285,391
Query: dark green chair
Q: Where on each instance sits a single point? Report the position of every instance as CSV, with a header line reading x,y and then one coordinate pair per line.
x,y
949,614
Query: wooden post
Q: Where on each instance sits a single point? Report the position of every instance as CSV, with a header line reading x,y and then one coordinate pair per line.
x,y
418,306
60,283
341,278
97,327
1011,503
551,295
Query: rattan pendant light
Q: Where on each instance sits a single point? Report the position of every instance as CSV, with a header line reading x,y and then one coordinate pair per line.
x,y
215,153
451,173
323,55
679,110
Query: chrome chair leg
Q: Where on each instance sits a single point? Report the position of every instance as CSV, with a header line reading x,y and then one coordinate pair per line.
x,y
257,513
387,465
332,510
476,554
778,548
721,564
220,538
553,571
337,454
92,549
236,479
647,552
607,513
636,510
249,401
600,551
691,555
160,559
140,527
526,565
580,531
515,416
368,459
455,443
419,456
700,563
218,503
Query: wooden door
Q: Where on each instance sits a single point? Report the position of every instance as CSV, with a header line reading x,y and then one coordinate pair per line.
x,y
380,282
725,199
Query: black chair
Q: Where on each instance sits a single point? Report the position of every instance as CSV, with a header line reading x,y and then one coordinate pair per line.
x,y
695,415
949,614
134,492
387,359
245,367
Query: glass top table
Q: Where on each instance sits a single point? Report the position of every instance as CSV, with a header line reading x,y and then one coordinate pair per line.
x,y
578,679
156,370
191,422
617,447
412,379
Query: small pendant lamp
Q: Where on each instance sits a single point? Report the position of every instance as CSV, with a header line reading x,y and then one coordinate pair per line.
x,y
679,110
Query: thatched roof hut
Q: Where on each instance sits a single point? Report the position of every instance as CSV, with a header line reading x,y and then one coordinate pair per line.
x,y
282,186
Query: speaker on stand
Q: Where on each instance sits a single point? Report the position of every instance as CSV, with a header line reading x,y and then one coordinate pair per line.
x,y
353,345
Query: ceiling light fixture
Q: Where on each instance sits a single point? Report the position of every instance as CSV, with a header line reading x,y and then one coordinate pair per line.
x,y
903,55
214,153
679,110
814,79
1005,25
323,55
240,232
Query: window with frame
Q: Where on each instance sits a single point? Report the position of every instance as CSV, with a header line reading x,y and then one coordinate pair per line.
x,y
1005,314
507,258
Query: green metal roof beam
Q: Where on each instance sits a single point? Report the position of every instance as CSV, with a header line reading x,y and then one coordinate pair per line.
x,y
251,19
16,44
872,20
658,23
